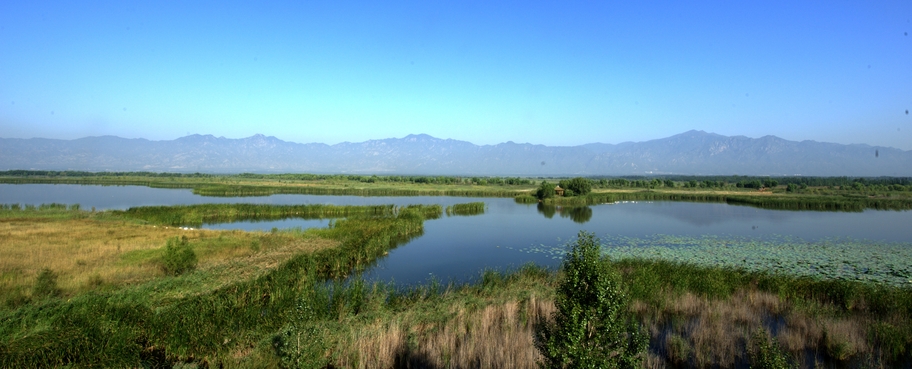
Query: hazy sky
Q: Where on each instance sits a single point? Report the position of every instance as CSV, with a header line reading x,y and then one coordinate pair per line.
x,y
554,73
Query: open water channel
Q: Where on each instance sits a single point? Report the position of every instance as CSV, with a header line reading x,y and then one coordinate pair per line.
x,y
859,245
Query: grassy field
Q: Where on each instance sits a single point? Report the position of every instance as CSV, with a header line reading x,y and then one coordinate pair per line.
x,y
90,251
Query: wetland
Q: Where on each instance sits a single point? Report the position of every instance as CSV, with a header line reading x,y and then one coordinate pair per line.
x,y
433,255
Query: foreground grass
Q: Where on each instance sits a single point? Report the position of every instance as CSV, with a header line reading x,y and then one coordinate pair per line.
x,y
91,251
250,308
706,317
197,315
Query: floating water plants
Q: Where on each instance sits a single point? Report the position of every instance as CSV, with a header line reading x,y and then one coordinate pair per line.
x,y
887,263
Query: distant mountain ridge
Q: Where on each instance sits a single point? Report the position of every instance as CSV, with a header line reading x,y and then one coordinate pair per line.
x,y
688,153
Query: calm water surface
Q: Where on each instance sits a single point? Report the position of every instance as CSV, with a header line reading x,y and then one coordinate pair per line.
x,y
123,197
459,247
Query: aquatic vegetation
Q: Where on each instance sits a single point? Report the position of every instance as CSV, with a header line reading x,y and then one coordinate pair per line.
x,y
196,215
832,258
403,190
778,202
472,208
525,199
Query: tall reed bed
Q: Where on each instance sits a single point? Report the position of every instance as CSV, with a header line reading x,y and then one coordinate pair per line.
x,y
196,215
783,202
709,316
254,190
472,208
821,203
606,197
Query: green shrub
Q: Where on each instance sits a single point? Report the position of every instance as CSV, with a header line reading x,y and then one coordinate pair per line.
x,y
592,326
766,354
545,191
579,186
179,258
45,284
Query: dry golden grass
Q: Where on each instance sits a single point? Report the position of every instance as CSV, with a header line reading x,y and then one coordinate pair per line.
x,y
711,333
86,252
496,336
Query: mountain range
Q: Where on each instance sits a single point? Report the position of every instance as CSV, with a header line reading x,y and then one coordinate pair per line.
x,y
688,153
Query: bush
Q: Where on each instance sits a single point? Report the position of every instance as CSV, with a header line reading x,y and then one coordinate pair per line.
x,y
179,258
579,186
592,326
766,354
545,191
46,284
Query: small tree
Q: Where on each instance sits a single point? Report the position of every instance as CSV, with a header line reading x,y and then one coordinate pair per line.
x,y
579,186
545,191
592,327
179,258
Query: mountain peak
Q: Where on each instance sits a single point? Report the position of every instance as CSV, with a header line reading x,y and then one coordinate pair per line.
x,y
693,152
420,137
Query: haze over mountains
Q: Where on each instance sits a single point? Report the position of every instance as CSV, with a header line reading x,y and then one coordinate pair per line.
x,y
688,153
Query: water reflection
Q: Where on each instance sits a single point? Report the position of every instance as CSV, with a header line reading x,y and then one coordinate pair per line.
x,y
578,214
547,210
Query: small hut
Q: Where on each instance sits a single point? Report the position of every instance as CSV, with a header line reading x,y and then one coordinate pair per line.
x,y
558,191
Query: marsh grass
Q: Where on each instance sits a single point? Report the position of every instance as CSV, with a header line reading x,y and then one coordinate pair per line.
x,y
715,312
765,200
488,324
90,251
357,189
279,299
242,186
472,208
816,199
161,316
696,317
196,215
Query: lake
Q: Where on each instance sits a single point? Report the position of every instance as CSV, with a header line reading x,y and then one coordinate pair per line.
x,y
508,234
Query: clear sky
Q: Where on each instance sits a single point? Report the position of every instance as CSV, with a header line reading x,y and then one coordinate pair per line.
x,y
554,73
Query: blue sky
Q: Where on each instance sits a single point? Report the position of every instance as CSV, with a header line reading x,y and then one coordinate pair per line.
x,y
554,73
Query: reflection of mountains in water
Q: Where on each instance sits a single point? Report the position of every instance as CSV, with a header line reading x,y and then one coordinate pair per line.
x,y
578,214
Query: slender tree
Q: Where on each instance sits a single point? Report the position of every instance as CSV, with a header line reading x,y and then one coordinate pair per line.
x,y
592,327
